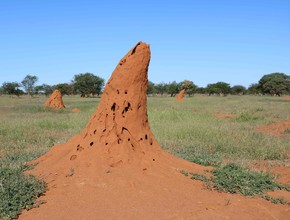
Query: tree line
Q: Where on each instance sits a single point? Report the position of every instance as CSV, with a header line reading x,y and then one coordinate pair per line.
x,y
88,84
85,84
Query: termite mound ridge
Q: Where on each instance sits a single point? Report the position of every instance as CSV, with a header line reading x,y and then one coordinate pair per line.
x,y
180,95
55,101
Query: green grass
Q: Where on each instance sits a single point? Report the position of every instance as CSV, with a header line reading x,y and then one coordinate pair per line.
x,y
235,179
187,129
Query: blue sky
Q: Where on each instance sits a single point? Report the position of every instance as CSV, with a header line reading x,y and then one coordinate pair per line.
x,y
204,41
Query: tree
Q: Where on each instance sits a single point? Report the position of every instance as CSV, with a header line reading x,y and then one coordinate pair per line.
x,y
173,88
11,88
200,90
275,84
65,88
151,88
254,89
28,83
161,88
220,88
88,83
189,86
44,89
238,90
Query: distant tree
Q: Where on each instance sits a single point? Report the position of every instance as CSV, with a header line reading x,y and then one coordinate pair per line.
x,y
275,84
254,89
189,86
161,88
238,90
88,83
44,89
11,88
220,88
173,88
200,90
151,88
65,88
28,83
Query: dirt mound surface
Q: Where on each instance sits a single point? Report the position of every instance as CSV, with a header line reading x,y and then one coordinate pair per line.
x,y
225,115
281,129
287,97
115,169
76,110
55,100
180,95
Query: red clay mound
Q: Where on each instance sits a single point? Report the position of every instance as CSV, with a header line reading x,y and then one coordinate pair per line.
x,y
76,110
279,129
115,169
225,115
287,97
180,95
55,100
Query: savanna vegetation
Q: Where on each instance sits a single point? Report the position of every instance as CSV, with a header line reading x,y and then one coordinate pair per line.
x,y
88,84
186,129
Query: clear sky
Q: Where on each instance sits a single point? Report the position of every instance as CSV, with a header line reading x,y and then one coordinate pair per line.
x,y
235,41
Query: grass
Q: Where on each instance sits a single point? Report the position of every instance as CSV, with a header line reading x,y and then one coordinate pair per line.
x,y
235,179
187,129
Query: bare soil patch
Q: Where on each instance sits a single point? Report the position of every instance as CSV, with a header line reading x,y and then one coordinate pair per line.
x,y
279,129
220,115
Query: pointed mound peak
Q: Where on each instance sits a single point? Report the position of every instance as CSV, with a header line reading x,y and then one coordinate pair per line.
x,y
119,126
180,95
55,100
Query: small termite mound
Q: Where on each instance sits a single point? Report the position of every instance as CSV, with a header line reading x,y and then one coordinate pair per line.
x,y
180,96
55,101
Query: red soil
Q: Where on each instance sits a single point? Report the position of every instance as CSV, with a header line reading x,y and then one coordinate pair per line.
x,y
225,115
287,97
180,95
76,110
277,129
115,169
55,100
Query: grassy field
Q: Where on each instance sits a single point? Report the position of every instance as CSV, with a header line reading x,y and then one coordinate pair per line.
x,y
187,129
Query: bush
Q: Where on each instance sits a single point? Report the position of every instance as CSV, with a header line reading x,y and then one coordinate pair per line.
x,y
17,191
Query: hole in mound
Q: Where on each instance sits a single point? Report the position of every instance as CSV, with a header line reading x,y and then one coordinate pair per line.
x,y
146,137
92,143
118,91
79,148
128,139
95,131
124,129
126,91
126,108
153,159
73,157
106,143
122,62
134,49
113,108
141,139
119,141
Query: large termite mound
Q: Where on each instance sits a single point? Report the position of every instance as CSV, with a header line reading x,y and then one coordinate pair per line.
x,y
55,100
115,169
180,95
